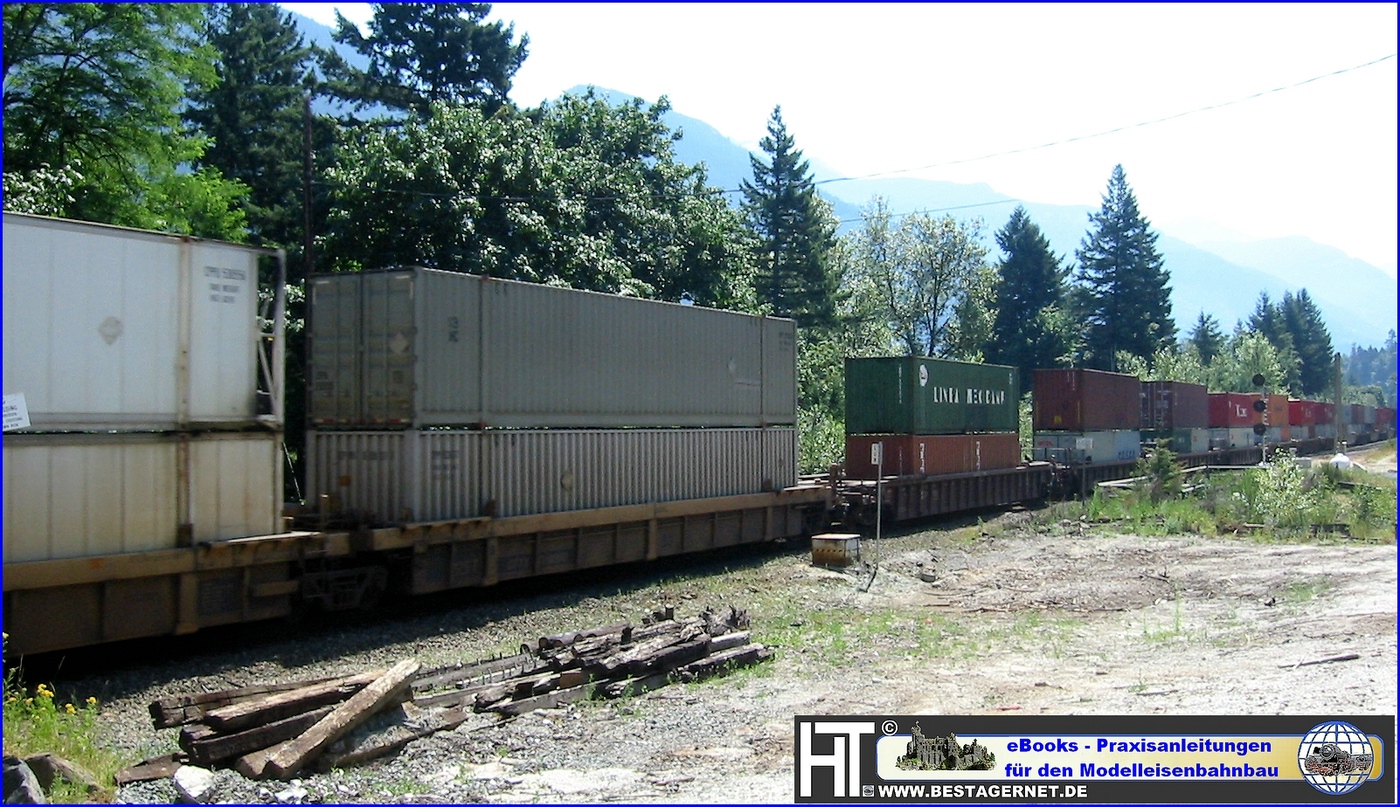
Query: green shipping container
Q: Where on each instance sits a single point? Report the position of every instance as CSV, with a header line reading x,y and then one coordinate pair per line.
x,y
913,395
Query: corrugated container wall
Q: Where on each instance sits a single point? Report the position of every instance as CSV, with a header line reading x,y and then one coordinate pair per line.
x,y
1302,413
1234,437
438,475
1327,413
80,495
1089,447
1181,441
108,328
914,395
1233,409
1173,405
908,454
1277,410
1085,400
420,347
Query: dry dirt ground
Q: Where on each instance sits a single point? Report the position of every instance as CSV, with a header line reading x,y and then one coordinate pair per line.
x,y
977,617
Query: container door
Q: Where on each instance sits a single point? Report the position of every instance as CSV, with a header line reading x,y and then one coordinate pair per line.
x,y
389,348
335,350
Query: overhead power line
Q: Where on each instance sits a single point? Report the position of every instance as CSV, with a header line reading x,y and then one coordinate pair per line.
x,y
1116,130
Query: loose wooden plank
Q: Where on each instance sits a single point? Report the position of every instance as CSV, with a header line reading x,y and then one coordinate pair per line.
x,y
161,767
395,737
285,704
292,757
728,640
549,700
570,637
178,710
1329,660
212,749
672,657
635,686
716,663
507,667
253,765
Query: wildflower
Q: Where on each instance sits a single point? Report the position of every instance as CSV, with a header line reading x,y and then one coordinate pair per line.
x,y
28,701
68,707
91,701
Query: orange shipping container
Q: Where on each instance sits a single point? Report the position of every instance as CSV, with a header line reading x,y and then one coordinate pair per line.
x,y
1278,410
932,454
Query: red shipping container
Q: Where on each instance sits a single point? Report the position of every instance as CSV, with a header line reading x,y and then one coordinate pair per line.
x,y
1301,413
1385,416
1174,405
1085,401
1233,410
932,454
1327,413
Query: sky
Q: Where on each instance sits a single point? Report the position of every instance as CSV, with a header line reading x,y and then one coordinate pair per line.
x,y
1231,121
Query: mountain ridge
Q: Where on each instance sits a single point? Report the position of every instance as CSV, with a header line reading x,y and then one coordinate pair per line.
x,y
1218,277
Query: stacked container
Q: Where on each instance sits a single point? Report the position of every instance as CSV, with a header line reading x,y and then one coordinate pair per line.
x,y
1233,416
438,396
153,391
1326,426
1279,430
1385,422
930,417
1303,417
1087,416
1178,412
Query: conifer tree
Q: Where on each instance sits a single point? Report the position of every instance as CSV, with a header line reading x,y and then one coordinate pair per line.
x,y
1207,337
1311,341
1127,296
795,232
423,53
1029,292
254,117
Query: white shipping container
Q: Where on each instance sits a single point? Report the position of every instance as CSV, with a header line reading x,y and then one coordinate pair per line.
x,y
1118,445
438,475
1238,437
108,328
423,348
83,495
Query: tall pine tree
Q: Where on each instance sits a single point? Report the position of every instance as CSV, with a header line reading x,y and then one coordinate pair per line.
x,y
1127,296
254,116
1207,337
422,53
795,232
1313,344
1030,291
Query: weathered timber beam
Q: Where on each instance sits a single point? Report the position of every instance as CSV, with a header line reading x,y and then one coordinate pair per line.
x,y
285,704
178,710
293,756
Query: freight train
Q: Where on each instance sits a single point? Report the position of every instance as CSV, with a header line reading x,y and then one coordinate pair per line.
x,y
463,431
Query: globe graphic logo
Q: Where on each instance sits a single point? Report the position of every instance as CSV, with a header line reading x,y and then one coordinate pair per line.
x,y
1335,757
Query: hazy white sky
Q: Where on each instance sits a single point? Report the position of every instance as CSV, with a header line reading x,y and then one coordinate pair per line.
x,y
915,88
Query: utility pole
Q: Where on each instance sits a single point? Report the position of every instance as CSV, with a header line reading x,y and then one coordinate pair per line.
x,y
1339,442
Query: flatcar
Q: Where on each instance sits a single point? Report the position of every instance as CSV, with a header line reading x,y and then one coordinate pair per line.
x,y
462,431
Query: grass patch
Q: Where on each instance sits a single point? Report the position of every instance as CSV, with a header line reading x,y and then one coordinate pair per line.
x,y
38,721
1288,502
